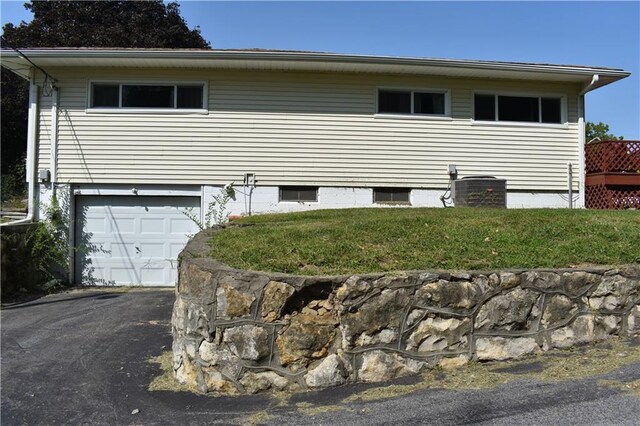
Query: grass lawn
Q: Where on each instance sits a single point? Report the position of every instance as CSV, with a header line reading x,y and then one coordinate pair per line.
x,y
326,242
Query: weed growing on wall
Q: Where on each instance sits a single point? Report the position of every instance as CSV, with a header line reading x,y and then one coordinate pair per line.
x,y
217,212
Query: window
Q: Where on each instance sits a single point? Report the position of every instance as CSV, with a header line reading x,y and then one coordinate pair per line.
x,y
147,96
530,109
161,96
105,95
299,193
391,195
189,97
485,107
391,101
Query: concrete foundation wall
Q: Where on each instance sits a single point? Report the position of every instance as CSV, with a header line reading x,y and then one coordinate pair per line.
x,y
265,199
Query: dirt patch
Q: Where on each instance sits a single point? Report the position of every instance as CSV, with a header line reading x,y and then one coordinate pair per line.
x,y
631,387
313,410
589,361
166,380
531,367
258,418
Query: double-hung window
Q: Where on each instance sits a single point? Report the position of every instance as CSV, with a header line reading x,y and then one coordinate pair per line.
x,y
413,102
529,109
183,96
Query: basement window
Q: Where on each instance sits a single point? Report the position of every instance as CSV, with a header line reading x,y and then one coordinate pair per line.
x,y
528,109
148,96
391,195
299,193
411,102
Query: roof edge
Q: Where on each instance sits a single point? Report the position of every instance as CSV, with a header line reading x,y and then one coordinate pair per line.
x,y
305,59
310,56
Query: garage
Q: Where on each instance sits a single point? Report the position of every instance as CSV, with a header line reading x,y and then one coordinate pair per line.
x,y
131,240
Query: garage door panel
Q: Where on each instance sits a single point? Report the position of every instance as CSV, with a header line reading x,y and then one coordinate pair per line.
x,y
180,226
152,226
96,225
154,251
153,275
119,251
132,240
122,275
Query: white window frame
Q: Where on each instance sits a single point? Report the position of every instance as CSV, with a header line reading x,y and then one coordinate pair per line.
x,y
413,115
124,110
564,116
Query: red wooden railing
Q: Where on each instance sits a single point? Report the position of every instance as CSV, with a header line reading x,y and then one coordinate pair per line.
x,y
612,157
612,174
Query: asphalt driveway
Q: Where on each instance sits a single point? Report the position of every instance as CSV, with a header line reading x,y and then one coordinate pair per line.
x,y
82,358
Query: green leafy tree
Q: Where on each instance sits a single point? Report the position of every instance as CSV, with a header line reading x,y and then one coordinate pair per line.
x,y
599,131
141,24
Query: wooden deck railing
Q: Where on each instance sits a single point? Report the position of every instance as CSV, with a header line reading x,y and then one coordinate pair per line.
x,y
612,157
612,174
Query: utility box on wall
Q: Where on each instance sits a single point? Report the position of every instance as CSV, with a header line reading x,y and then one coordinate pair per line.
x,y
480,191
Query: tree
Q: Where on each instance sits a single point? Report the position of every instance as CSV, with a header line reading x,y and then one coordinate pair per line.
x,y
141,24
599,131
148,23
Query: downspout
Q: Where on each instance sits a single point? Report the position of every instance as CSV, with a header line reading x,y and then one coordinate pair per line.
x,y
54,138
31,151
581,139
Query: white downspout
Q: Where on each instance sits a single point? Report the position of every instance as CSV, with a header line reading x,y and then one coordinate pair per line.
x,y
31,151
581,140
54,137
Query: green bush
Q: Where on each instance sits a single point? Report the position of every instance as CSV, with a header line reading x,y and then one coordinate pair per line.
x,y
14,183
35,257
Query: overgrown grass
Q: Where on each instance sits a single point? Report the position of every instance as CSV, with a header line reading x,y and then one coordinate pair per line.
x,y
376,240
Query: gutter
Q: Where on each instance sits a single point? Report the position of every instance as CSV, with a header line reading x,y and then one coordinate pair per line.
x,y
31,152
316,57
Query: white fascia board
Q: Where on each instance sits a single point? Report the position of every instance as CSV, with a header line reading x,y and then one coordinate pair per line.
x,y
312,61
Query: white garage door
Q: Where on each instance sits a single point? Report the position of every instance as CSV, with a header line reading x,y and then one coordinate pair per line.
x,y
131,239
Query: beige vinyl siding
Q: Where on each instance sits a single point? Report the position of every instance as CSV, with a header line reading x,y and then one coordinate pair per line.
x,y
307,129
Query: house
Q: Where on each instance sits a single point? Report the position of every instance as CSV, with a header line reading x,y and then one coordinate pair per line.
x,y
136,138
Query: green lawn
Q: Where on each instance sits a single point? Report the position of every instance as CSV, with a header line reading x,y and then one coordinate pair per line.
x,y
386,239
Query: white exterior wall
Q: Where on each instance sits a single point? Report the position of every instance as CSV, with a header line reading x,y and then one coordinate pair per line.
x,y
305,129
532,200
265,199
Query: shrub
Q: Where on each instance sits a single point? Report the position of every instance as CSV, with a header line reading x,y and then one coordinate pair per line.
x,y
35,257
14,183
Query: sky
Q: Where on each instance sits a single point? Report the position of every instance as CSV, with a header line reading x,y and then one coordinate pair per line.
x,y
605,34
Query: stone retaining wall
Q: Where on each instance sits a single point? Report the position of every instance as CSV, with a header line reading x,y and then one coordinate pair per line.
x,y
237,331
